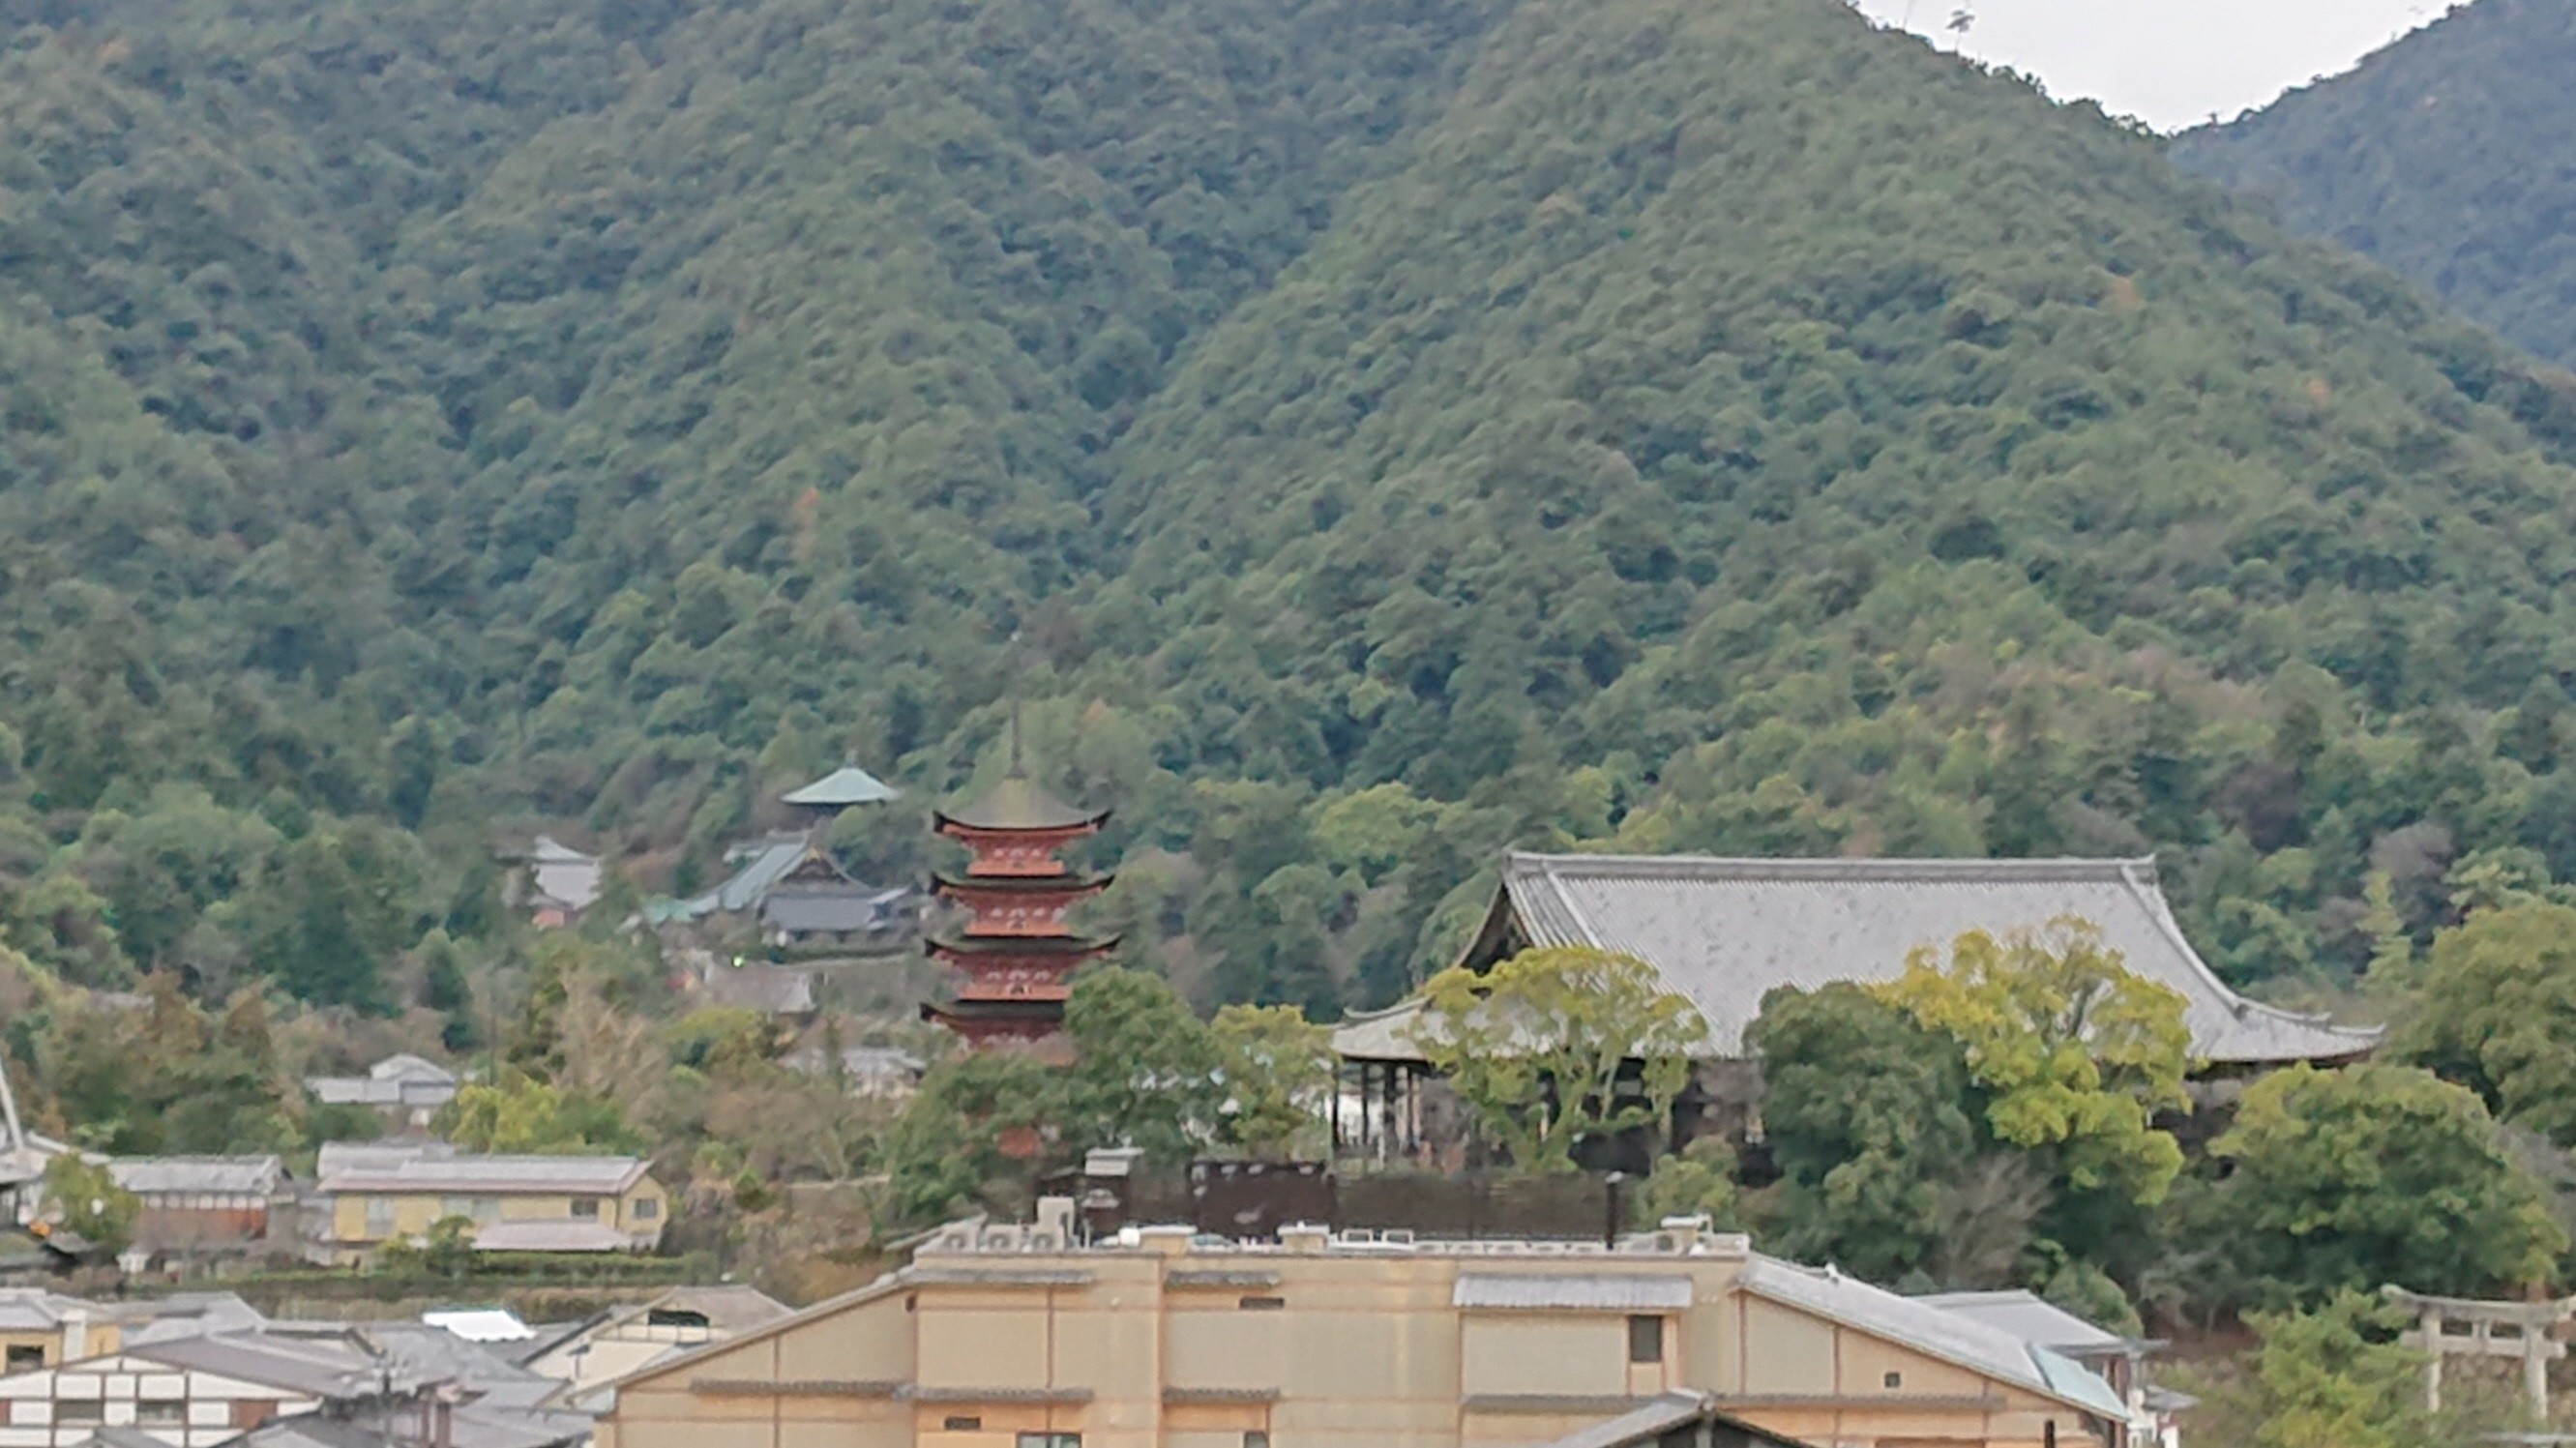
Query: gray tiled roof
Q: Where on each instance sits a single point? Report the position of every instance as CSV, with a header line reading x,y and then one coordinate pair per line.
x,y
230,1175
1925,1328
1722,932
1646,1425
436,1170
2031,1318
811,910
330,1366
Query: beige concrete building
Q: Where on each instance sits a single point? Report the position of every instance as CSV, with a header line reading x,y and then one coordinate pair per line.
x,y
1015,1337
367,1195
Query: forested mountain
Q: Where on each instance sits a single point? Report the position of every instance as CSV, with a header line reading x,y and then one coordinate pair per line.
x,y
2445,156
1391,433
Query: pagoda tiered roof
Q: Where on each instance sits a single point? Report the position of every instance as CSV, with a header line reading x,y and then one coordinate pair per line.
x,y
1018,805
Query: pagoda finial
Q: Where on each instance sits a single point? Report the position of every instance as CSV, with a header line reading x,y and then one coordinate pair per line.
x,y
1019,666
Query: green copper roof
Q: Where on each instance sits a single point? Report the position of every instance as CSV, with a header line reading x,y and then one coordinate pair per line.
x,y
1018,804
845,786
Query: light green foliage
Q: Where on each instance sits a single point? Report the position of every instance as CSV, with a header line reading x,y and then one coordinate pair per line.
x,y
2497,1013
1277,1071
2336,1376
2376,1175
167,1077
446,1250
1539,1046
728,1043
1697,1181
82,1197
522,1115
2071,1049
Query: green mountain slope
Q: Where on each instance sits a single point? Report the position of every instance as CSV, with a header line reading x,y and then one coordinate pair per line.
x,y
2444,156
1392,434
1847,450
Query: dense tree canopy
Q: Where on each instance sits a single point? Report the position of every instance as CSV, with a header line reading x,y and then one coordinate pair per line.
x,y
1393,433
2372,1176
2443,156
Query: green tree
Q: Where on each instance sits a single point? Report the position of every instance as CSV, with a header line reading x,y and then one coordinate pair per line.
x,y
1559,1044
85,1199
2496,1010
2337,1376
1869,1118
1144,1069
1277,1072
525,1116
2070,1049
1697,1181
967,1137
2376,1175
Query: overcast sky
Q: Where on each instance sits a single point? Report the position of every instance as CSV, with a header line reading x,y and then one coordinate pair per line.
x,y
2171,63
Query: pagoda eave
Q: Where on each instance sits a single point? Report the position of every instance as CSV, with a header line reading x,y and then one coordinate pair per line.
x,y
970,884
1068,948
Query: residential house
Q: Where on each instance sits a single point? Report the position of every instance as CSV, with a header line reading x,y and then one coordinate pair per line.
x,y
1004,1336
2154,1412
636,1335
1721,933
404,1088
202,1205
384,1383
40,1329
189,1391
365,1195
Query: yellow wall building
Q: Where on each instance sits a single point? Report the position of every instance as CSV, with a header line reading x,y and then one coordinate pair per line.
x,y
40,1329
366,1196
1013,1337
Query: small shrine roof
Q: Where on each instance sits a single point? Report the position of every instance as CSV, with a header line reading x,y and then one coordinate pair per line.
x,y
1018,803
843,787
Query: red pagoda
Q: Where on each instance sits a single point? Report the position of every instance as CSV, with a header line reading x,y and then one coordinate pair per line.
x,y
1015,953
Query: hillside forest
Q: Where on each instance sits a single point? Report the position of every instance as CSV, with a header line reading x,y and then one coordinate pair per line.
x,y
1361,438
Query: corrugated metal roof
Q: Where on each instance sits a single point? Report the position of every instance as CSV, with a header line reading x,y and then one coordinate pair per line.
x,y
228,1175
1722,932
2031,1318
1536,1292
1919,1325
427,1172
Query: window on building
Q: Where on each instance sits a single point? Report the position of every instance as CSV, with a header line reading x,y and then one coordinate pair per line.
x,y
25,1357
79,1410
380,1216
1049,1440
586,1208
1894,1380
1645,1339
1255,1438
956,1423
1261,1304
161,1413
646,1209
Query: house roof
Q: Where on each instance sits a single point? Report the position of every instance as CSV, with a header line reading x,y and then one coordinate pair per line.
x,y
1543,1292
121,1437
1722,932
843,787
329,1365
398,1079
425,1170
1643,1426
33,1309
227,1175
2028,1316
551,1236
828,910
1949,1336
439,1354
1018,803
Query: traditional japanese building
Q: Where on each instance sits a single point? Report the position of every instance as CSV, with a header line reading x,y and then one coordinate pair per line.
x,y
1015,953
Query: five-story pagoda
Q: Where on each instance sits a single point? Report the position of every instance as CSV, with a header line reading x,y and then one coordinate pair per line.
x,y
1015,953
